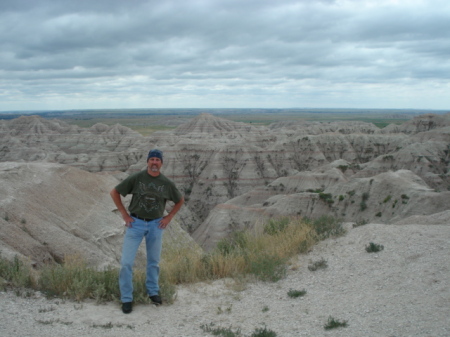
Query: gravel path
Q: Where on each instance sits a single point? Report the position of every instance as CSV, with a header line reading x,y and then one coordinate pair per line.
x,y
404,290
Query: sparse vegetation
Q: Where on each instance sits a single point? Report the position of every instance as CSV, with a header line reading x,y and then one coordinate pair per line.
x,y
274,227
319,264
374,248
261,253
229,332
343,168
387,199
16,274
263,332
76,280
327,226
405,198
360,223
296,293
362,206
219,331
334,323
327,197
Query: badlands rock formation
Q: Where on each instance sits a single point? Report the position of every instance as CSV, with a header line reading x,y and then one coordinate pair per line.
x,y
233,174
99,148
49,211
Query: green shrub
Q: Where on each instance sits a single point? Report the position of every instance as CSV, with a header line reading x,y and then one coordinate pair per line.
x,y
362,206
387,199
405,198
320,264
351,193
219,331
296,293
379,214
237,240
327,226
268,268
275,226
263,332
333,323
75,280
327,197
16,273
319,190
360,223
373,247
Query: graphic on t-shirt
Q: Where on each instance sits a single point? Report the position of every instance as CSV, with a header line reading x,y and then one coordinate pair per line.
x,y
148,196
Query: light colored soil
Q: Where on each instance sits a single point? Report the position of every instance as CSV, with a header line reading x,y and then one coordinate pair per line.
x,y
404,290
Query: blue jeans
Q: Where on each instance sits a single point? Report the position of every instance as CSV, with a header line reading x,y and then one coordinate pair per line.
x,y
153,240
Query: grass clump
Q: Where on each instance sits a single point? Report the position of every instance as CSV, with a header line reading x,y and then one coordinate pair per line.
x,y
219,331
333,323
327,226
316,265
327,197
261,253
360,223
263,332
268,267
74,279
276,226
16,274
296,293
374,248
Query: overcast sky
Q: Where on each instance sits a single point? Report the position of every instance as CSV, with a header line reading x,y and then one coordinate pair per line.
x,y
89,54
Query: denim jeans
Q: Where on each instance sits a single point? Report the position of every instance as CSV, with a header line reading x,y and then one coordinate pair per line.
x,y
133,237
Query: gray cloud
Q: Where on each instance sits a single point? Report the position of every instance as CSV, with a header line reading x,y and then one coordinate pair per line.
x,y
222,53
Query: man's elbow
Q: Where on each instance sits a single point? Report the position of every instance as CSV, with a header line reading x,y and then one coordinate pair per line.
x,y
113,193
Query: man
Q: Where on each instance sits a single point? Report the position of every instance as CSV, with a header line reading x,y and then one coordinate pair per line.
x,y
150,190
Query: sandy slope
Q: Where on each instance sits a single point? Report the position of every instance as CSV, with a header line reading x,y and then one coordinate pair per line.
x,y
402,291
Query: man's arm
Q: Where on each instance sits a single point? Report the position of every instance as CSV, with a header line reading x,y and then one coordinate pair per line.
x,y
168,218
119,204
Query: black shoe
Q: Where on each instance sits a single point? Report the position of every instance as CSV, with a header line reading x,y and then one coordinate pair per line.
x,y
127,307
156,299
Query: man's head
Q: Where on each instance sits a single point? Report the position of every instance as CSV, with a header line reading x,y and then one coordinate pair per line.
x,y
155,153
154,162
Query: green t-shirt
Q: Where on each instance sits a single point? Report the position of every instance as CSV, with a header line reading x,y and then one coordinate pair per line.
x,y
149,194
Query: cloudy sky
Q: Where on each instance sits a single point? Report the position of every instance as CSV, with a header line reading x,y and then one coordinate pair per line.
x,y
89,54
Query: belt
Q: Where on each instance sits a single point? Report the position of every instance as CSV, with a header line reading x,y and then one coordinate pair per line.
x,y
140,218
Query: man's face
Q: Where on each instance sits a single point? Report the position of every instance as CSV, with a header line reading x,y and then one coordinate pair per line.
x,y
154,164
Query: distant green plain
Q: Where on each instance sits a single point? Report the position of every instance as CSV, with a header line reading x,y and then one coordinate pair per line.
x,y
148,121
